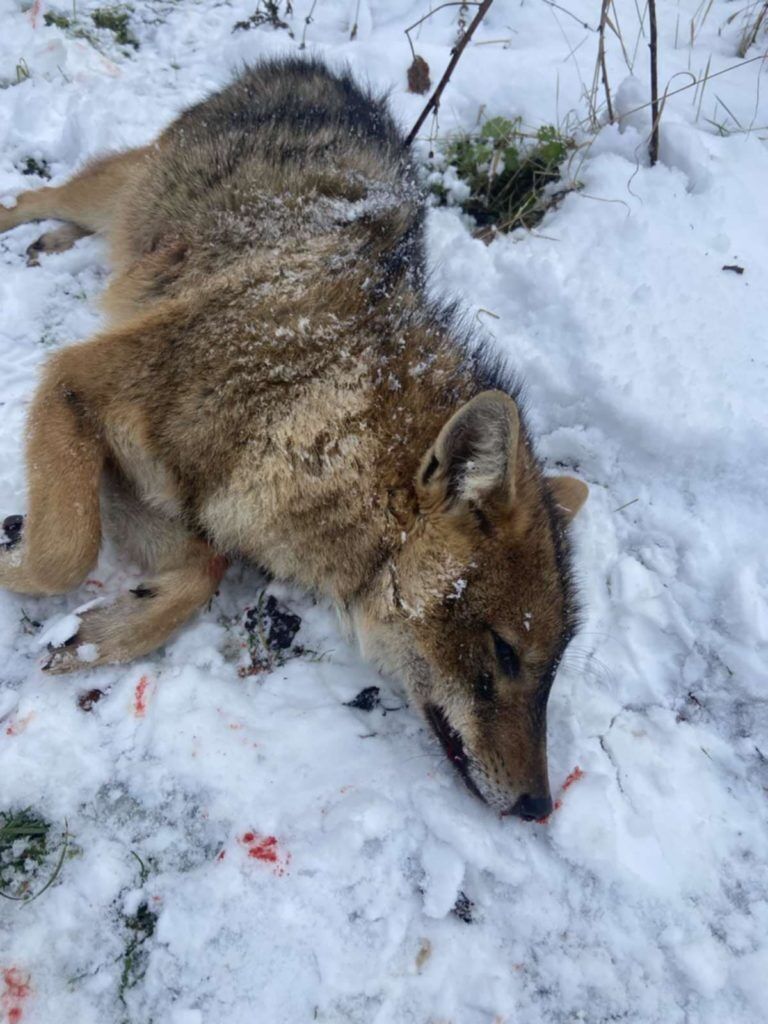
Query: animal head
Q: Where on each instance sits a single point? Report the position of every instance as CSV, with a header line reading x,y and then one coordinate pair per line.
x,y
476,608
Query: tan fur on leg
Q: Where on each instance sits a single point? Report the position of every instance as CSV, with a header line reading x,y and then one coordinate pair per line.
x,y
143,619
90,199
58,240
62,532
143,534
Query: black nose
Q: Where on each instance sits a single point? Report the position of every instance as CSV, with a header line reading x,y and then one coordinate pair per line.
x,y
532,808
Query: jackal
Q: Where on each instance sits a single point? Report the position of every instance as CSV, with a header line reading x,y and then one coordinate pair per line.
x,y
274,385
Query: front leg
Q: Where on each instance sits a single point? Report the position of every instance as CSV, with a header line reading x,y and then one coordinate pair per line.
x,y
144,618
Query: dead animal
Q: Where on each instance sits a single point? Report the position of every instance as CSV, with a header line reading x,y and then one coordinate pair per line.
x,y
273,384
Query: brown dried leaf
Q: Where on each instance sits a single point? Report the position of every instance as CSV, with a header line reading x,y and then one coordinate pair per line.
x,y
418,76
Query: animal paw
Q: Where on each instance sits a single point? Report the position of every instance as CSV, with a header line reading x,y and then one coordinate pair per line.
x,y
58,240
112,633
87,648
12,527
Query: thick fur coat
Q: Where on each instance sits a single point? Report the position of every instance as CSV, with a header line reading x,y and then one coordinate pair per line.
x,y
273,384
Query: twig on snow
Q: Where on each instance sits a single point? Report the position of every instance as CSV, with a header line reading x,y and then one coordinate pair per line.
x,y
584,24
697,81
450,3
653,145
307,23
601,57
434,100
750,35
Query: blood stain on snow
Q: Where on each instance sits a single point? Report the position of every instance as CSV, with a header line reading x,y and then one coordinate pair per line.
x,y
16,989
266,849
18,727
573,776
139,700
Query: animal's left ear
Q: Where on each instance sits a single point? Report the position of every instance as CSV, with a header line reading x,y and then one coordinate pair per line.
x,y
569,493
474,458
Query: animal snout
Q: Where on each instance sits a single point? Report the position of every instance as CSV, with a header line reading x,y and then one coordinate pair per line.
x,y
532,808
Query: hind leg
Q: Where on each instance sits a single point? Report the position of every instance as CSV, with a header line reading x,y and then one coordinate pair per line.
x,y
58,240
89,200
59,540
185,572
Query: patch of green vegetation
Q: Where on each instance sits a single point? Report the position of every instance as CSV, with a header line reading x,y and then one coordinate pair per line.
x,y
57,19
39,167
140,927
22,71
26,855
116,19
510,173
267,633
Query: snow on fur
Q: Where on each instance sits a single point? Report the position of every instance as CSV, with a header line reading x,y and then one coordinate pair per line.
x,y
274,853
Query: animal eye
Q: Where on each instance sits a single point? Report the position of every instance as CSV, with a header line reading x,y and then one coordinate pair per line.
x,y
507,657
484,686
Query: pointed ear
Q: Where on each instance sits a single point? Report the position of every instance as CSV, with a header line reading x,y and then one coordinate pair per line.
x,y
474,456
569,493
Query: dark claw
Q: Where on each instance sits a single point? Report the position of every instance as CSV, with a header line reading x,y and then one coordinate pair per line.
x,y
66,643
12,526
56,651
32,253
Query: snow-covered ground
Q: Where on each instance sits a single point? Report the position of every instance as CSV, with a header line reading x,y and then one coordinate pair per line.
x,y
248,847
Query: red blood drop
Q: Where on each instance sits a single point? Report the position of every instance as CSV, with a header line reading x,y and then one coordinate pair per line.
x,y
140,703
16,990
575,775
265,850
16,985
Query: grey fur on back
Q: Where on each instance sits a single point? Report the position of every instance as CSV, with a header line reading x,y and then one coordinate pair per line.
x,y
289,151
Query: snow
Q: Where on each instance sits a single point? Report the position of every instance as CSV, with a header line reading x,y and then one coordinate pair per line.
x,y
644,897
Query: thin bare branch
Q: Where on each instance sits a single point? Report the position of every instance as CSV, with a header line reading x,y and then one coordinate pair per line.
x,y
696,82
450,3
750,36
355,22
601,57
653,145
307,23
434,100
584,24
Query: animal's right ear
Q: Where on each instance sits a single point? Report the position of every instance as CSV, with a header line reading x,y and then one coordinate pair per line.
x,y
474,459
